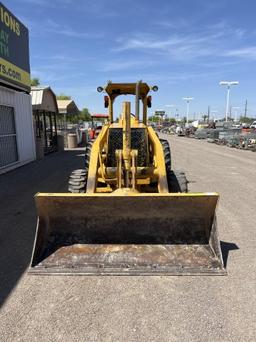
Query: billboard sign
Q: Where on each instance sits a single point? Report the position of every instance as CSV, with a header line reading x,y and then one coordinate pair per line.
x,y
14,51
160,112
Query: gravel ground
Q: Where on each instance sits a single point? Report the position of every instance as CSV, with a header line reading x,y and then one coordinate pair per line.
x,y
66,308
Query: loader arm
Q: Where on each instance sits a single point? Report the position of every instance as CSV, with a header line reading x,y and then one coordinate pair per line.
x,y
95,161
159,161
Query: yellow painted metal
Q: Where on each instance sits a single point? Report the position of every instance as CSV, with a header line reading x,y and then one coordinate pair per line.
x,y
119,168
104,190
134,155
126,154
134,123
110,110
94,159
189,194
159,161
144,119
115,89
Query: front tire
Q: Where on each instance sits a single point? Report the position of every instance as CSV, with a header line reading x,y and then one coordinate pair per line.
x,y
177,181
78,178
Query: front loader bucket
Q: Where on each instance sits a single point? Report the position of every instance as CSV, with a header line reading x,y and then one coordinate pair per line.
x,y
172,234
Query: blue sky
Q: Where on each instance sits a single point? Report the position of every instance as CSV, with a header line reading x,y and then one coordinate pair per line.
x,y
185,47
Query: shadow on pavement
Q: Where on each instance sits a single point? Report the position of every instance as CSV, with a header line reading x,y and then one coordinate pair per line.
x,y
226,247
18,214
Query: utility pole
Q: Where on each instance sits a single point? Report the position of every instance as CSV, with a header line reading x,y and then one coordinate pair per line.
x,y
245,108
176,114
208,116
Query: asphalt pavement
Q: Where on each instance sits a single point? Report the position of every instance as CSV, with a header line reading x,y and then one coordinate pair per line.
x,y
151,308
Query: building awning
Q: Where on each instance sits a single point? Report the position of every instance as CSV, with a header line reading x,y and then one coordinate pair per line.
x,y
99,116
43,98
67,107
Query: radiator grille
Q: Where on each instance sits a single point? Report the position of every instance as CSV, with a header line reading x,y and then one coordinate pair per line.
x,y
115,142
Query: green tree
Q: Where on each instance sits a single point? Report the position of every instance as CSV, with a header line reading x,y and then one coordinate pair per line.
x,y
34,82
154,118
228,118
172,121
63,97
84,115
245,119
205,117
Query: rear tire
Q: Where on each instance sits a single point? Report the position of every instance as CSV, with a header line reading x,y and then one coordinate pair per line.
x,y
78,178
177,181
167,153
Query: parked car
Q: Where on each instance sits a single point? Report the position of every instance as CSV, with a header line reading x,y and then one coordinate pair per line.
x,y
245,125
253,125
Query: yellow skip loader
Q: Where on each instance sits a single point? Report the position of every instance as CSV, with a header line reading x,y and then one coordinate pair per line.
x,y
128,212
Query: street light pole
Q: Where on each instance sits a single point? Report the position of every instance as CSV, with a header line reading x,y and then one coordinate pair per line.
x,y
227,102
187,110
176,114
187,99
228,84
245,109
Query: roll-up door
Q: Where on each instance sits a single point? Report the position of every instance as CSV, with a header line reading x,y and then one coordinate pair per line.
x,y
8,141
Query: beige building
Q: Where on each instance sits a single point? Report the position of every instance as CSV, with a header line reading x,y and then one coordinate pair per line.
x,y
67,107
45,111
